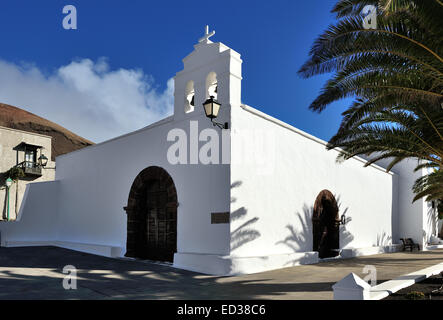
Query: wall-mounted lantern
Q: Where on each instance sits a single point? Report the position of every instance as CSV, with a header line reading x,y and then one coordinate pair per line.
x,y
212,108
8,185
344,220
42,160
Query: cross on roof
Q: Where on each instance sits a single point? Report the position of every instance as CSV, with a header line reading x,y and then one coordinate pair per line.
x,y
208,34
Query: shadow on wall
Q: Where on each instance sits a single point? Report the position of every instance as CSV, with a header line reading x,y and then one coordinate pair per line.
x,y
14,193
432,222
3,178
5,204
299,241
346,237
245,233
383,239
395,222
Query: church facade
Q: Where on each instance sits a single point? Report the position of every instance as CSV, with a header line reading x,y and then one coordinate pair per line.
x,y
255,195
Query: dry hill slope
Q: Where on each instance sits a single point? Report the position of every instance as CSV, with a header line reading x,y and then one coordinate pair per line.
x,y
63,140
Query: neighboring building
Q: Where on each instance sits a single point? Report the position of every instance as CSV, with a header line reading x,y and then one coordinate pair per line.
x,y
63,140
22,150
260,195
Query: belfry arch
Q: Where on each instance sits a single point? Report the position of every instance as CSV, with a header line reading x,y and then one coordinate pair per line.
x,y
189,97
211,85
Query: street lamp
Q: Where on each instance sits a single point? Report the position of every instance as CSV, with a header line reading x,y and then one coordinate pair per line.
x,y
9,182
43,160
212,107
8,185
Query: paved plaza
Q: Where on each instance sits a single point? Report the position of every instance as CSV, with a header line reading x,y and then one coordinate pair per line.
x,y
36,273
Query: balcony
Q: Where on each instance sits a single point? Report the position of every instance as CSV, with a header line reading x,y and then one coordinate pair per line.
x,y
32,169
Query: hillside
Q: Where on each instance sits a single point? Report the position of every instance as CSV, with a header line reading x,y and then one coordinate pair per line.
x,y
63,140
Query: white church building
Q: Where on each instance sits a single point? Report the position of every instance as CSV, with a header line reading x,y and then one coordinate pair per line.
x,y
249,195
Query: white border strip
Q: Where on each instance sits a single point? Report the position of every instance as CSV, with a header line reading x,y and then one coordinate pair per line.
x,y
386,288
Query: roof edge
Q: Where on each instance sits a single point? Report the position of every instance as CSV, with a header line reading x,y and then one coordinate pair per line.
x,y
28,132
305,134
152,125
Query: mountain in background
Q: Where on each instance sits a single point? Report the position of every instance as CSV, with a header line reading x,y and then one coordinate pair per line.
x,y
63,140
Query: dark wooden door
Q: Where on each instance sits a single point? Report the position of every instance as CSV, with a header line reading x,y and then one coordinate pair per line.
x,y
326,225
161,223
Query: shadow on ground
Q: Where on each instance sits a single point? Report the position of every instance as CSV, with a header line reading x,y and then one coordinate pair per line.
x,y
106,278
37,273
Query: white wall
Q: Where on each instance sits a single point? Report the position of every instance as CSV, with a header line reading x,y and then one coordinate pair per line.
x,y
275,175
270,196
37,219
272,206
93,185
414,219
430,223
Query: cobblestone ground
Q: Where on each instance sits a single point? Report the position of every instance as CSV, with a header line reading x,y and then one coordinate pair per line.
x,y
36,273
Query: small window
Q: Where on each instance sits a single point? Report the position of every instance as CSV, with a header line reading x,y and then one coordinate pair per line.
x,y
30,158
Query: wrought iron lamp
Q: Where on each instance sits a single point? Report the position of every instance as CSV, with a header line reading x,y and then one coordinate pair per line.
x,y
42,160
212,108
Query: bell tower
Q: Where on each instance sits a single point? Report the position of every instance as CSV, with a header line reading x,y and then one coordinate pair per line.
x,y
212,69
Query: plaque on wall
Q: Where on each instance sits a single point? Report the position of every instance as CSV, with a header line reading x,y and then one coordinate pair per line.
x,y
219,217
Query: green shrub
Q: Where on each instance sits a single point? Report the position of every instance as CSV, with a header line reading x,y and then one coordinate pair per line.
x,y
440,209
15,173
415,295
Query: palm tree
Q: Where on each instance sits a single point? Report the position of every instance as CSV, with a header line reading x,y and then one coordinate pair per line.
x,y
395,73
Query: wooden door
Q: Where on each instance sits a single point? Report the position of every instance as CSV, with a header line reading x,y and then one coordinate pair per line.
x,y
161,223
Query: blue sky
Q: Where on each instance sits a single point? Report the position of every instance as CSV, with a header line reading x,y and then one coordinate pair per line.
x,y
142,43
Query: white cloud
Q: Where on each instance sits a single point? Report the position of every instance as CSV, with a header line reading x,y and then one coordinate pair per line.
x,y
87,97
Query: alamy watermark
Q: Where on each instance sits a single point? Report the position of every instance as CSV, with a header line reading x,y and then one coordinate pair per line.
x,y
370,17
371,278
70,280
70,20
253,147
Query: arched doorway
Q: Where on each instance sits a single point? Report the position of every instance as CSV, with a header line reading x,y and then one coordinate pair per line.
x,y
152,216
326,222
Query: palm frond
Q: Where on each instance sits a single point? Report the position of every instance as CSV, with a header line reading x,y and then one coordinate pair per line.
x,y
395,74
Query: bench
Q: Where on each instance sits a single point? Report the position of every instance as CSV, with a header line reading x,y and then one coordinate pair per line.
x,y
409,243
